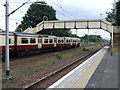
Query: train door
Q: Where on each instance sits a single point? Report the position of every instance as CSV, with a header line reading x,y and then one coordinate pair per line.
x,y
55,42
71,42
39,43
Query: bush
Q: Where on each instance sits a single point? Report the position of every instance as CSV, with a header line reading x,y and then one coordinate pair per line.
x,y
58,55
85,49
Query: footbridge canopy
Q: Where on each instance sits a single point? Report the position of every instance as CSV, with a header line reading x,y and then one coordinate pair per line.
x,y
72,24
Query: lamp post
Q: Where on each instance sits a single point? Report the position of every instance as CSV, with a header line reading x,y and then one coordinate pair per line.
x,y
45,18
16,24
101,16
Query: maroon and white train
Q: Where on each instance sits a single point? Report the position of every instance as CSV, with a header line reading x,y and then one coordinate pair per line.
x,y
25,42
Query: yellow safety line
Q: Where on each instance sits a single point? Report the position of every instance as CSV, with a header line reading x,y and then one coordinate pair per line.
x,y
82,82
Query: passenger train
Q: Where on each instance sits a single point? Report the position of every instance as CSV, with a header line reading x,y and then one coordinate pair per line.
x,y
22,42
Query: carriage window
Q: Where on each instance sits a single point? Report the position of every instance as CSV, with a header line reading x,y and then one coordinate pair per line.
x,y
9,41
24,40
39,40
45,40
67,41
32,40
50,40
59,41
62,41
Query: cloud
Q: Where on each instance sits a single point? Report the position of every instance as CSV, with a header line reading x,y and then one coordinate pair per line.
x,y
83,8
80,9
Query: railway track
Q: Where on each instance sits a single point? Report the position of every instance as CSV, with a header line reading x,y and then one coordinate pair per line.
x,y
46,81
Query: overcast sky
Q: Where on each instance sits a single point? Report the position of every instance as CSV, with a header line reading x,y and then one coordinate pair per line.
x,y
65,10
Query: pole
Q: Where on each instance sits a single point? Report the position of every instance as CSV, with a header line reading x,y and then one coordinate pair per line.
x,y
88,38
76,37
8,77
7,42
76,33
101,16
112,37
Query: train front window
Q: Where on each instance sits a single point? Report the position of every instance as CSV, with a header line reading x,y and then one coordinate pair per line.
x,y
32,40
24,40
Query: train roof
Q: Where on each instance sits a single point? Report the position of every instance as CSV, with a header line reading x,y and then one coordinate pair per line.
x,y
3,32
71,38
36,35
27,34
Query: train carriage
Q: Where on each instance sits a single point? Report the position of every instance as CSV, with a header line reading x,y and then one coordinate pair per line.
x,y
11,41
67,41
75,42
49,42
22,42
60,41
26,41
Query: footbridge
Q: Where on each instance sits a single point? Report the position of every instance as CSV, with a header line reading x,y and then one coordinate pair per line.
x,y
80,24
72,24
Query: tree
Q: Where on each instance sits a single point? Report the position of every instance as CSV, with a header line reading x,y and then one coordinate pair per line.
x,y
114,15
35,14
92,38
58,32
118,13
38,12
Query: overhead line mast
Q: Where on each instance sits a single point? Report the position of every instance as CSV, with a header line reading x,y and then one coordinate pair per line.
x,y
8,77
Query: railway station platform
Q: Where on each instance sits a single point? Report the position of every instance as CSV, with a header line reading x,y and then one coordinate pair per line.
x,y
99,71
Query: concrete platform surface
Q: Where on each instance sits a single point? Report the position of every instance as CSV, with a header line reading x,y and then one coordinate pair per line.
x,y
106,74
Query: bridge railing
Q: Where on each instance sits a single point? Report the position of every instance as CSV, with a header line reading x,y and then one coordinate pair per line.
x,y
72,24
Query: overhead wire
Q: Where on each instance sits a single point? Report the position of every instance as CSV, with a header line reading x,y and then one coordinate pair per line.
x,y
41,12
63,9
25,13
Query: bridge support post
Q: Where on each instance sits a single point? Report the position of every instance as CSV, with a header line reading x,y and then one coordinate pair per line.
x,y
88,38
76,33
76,37
112,37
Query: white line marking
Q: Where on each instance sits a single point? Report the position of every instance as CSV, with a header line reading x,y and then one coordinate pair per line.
x,y
71,72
